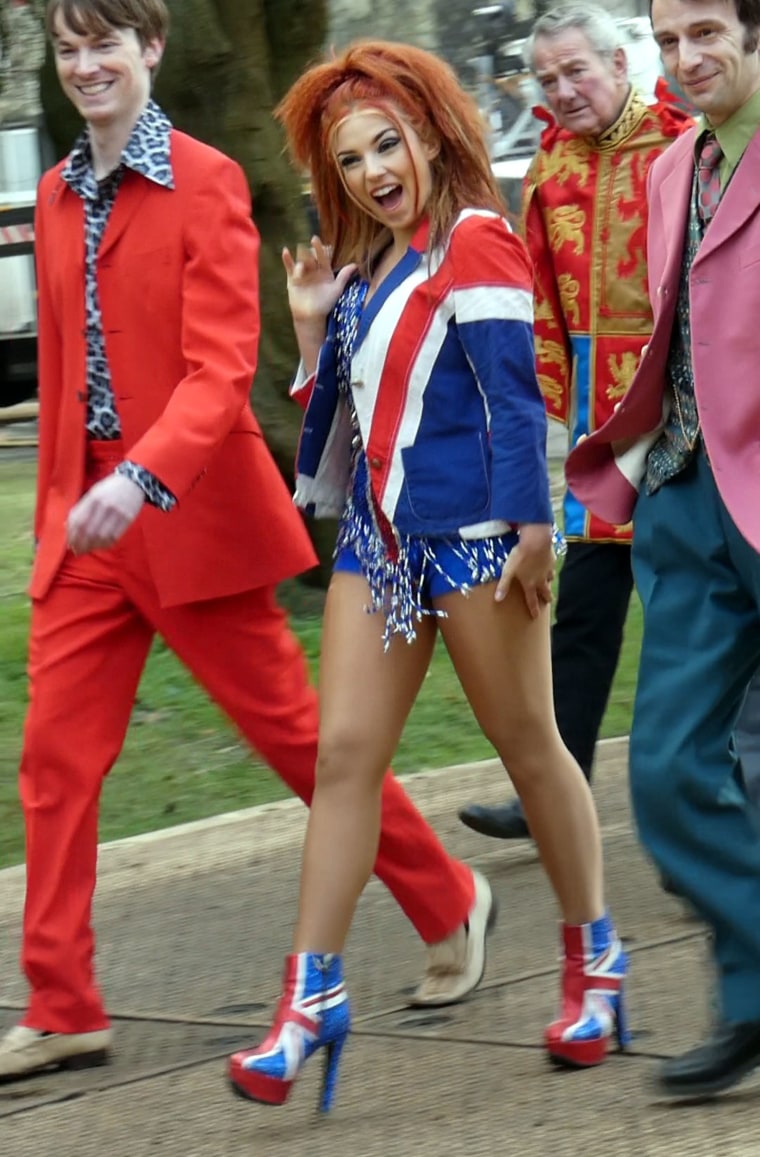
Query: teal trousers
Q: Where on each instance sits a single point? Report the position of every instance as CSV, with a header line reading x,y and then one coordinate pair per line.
x,y
699,582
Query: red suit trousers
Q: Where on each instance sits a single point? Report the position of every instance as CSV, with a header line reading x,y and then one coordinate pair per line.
x,y
90,638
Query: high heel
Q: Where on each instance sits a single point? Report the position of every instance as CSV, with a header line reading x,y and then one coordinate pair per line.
x,y
330,1072
593,1005
313,1013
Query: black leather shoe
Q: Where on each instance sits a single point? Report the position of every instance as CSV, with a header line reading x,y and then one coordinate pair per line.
x,y
503,823
668,885
732,1052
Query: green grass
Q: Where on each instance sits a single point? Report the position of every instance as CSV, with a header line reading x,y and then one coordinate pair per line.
x,y
182,760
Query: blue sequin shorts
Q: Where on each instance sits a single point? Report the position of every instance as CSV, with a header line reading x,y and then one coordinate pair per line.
x,y
445,565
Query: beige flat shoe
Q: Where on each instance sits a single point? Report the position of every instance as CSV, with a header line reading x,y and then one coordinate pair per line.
x,y
455,966
27,1050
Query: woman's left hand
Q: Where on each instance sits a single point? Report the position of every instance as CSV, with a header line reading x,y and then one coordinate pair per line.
x,y
531,563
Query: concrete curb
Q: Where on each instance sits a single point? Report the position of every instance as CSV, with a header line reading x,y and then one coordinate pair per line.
x,y
256,831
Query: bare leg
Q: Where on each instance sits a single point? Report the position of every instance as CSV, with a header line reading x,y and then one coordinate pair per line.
x,y
365,699
502,659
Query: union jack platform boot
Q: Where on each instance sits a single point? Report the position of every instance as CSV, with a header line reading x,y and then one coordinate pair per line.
x,y
313,1013
593,976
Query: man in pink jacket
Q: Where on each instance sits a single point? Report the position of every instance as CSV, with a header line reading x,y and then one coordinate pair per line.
x,y
682,456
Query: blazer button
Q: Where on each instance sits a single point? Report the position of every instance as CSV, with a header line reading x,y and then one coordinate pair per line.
x,y
375,463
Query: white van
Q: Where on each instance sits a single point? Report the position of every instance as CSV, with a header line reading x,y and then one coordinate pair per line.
x,y
20,166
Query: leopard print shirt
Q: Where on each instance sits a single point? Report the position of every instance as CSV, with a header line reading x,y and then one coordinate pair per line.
x,y
147,152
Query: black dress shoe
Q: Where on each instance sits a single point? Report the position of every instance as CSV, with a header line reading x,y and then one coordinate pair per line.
x,y
503,823
732,1052
668,885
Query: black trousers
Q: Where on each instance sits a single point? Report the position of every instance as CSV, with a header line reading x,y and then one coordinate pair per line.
x,y
594,593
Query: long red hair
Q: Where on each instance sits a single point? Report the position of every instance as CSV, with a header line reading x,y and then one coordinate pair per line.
x,y
404,82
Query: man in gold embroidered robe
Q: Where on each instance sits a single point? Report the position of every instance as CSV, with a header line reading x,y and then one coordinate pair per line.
x,y
585,220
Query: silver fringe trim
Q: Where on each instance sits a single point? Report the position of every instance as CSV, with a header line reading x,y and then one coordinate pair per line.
x,y
396,583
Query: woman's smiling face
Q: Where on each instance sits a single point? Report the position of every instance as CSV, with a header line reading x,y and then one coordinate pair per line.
x,y
385,167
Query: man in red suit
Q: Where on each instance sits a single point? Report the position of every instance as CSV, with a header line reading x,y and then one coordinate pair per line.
x,y
161,510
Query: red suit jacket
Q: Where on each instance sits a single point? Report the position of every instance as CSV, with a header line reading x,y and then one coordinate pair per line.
x,y
178,288
605,470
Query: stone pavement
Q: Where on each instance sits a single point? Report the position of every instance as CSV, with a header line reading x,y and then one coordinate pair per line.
x,y
18,425
192,925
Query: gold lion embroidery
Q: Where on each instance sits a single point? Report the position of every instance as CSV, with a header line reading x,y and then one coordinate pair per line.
x,y
621,371
566,160
543,312
569,288
551,353
551,390
565,227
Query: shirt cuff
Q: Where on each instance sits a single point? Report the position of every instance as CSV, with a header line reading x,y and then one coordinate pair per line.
x,y
155,492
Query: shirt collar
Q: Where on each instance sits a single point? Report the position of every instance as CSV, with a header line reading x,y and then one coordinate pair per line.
x,y
735,133
147,152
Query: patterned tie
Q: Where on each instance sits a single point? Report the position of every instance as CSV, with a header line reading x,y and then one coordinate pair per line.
x,y
708,178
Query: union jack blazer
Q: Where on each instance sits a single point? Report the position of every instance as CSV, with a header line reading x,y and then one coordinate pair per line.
x,y
444,386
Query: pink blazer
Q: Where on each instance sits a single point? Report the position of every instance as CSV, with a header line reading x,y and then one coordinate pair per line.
x,y
605,470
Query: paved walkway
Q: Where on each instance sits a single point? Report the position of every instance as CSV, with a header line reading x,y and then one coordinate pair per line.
x,y
192,925
18,425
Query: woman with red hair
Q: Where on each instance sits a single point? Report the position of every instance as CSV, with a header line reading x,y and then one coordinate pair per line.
x,y
425,433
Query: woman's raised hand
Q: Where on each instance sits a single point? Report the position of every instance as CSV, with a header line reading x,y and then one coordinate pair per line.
x,y
313,288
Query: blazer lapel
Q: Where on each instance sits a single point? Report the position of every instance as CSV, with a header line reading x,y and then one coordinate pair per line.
x,y
132,192
675,202
739,201
67,212
405,266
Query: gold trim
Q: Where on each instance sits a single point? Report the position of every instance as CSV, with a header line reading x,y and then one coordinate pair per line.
x,y
634,111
